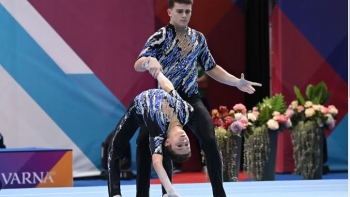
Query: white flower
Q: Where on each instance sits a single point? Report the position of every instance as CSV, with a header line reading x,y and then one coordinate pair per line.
x,y
238,116
332,110
309,112
294,104
317,107
251,117
308,104
288,123
272,124
276,113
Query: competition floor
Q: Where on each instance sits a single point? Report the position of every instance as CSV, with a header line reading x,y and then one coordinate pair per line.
x,y
305,188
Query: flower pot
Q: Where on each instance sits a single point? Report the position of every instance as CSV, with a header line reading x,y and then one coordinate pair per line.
x,y
231,158
307,139
270,166
260,151
230,146
319,169
256,149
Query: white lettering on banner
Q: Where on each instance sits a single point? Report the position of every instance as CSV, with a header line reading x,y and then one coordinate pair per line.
x,y
27,177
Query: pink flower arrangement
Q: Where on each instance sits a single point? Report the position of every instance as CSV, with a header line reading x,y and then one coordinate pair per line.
x,y
243,121
271,112
289,113
240,108
281,118
221,117
235,120
274,122
324,116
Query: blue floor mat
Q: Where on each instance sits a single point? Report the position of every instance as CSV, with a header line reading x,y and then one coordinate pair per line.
x,y
305,188
279,177
97,182
288,177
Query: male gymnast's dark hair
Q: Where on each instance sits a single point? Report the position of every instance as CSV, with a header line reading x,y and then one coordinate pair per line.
x,y
172,2
177,158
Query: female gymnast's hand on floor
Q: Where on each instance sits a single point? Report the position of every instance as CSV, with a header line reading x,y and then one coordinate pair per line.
x,y
171,195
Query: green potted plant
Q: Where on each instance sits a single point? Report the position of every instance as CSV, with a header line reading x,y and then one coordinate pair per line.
x,y
309,120
266,120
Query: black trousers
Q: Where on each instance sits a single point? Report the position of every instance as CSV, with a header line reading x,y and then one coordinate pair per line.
x,y
123,132
202,126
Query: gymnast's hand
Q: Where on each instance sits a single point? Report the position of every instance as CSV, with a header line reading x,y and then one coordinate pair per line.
x,y
153,66
246,86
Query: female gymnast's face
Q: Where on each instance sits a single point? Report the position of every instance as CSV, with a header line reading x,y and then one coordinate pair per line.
x,y
179,142
180,14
